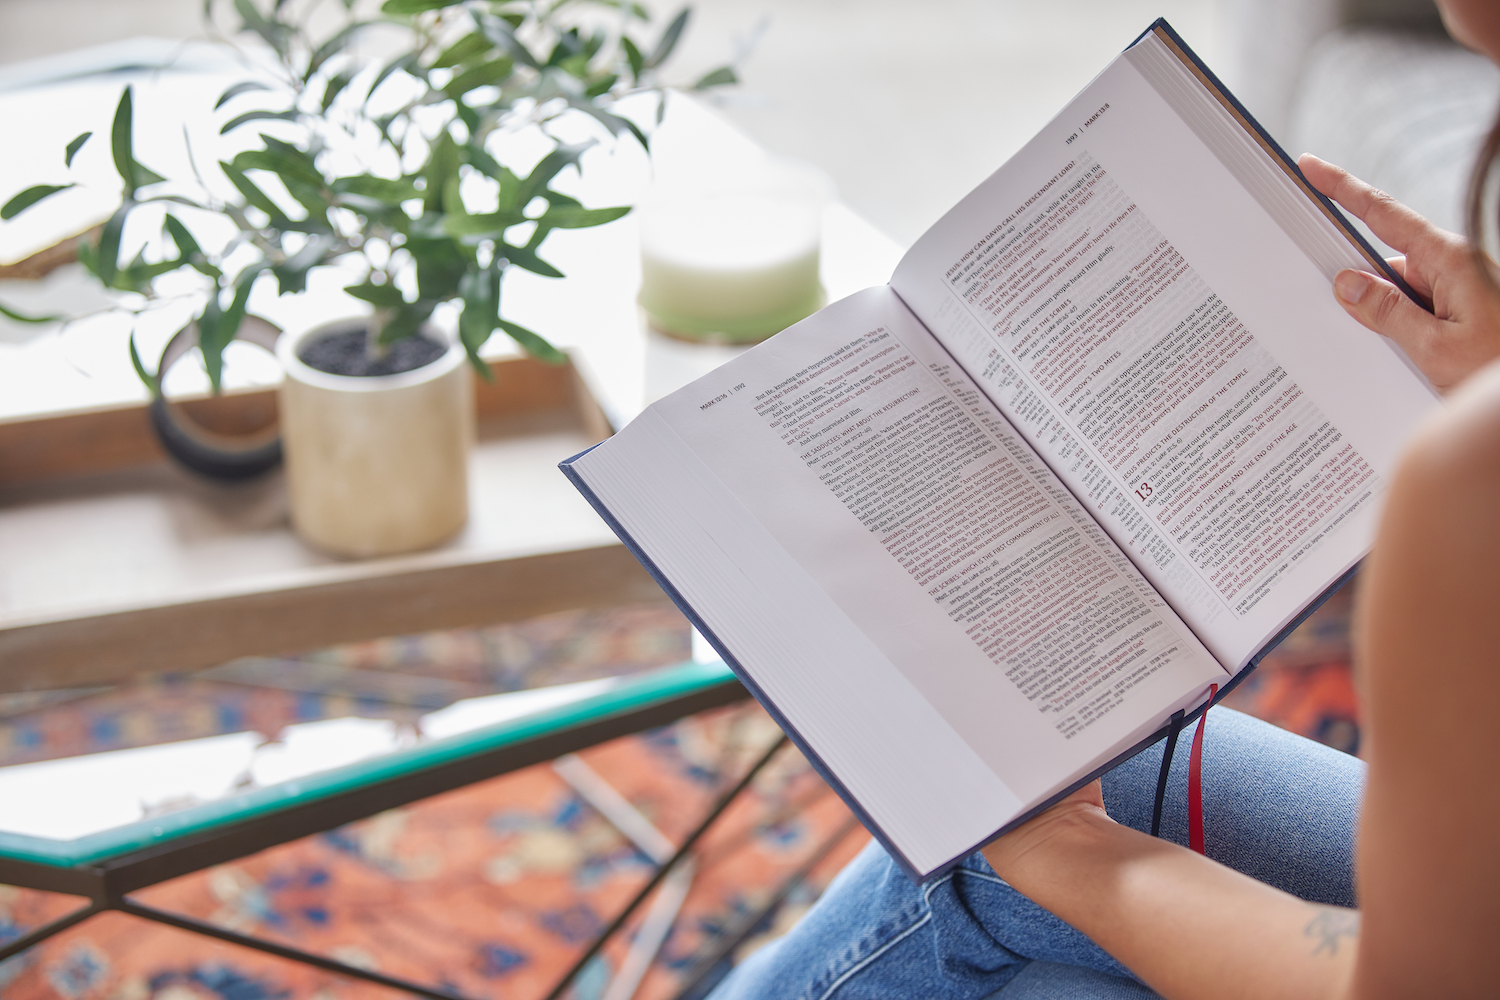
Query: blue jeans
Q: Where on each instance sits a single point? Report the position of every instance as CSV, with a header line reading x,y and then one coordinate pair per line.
x,y
1276,806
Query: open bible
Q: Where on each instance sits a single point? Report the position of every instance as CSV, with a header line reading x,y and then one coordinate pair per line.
x,y
974,536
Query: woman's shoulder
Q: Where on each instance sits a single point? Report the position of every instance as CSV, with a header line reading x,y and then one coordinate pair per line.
x,y
1449,475
1426,646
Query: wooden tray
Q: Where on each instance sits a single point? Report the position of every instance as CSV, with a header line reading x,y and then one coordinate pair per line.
x,y
114,562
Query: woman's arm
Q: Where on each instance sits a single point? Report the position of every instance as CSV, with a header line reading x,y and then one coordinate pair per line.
x,y
1188,926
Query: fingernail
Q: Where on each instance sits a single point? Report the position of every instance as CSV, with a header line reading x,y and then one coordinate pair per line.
x,y
1350,286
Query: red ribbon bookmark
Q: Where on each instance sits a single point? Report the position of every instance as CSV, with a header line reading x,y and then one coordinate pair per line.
x,y
1195,779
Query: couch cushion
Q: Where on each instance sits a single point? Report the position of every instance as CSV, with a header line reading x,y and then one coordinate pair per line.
x,y
1406,112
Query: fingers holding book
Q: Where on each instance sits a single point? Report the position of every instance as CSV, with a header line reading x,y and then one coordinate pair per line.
x,y
1462,333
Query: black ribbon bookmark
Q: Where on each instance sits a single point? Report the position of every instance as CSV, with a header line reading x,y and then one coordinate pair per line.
x,y
1166,769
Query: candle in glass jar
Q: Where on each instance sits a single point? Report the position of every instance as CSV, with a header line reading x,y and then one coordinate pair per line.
x,y
733,263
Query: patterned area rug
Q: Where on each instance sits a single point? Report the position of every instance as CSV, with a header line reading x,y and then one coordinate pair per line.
x,y
493,890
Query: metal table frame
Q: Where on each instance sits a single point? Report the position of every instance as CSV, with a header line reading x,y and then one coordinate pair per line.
x,y
636,706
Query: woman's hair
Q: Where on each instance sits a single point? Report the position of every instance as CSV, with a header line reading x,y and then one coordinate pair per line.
x,y
1479,183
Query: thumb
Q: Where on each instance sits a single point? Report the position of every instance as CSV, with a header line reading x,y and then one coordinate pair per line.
x,y
1382,307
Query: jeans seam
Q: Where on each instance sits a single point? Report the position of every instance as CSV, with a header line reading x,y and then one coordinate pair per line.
x,y
873,956
931,887
988,878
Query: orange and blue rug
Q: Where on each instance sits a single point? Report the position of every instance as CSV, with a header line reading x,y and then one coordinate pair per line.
x,y
492,890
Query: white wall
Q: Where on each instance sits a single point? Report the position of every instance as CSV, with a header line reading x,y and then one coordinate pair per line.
x,y
906,105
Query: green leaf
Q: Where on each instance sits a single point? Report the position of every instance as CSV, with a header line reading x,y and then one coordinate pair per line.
x,y
442,163
74,147
568,45
402,63
602,85
534,343
440,266
254,195
120,144
634,57
86,256
379,296
311,197
472,44
274,33
151,381
139,274
29,197
721,77
480,225
500,31
186,246
526,259
282,159
260,159
614,123
407,321
547,168
176,199
332,47
429,226
569,217
335,87
415,6
291,276
483,75
244,87
480,290
10,313
475,156
216,327
668,40
595,43
453,199
107,251
144,175
256,116
380,188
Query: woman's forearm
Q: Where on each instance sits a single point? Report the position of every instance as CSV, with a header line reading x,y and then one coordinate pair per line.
x,y
1188,926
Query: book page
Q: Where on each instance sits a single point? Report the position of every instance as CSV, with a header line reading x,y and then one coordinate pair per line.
x,y
852,459
1175,356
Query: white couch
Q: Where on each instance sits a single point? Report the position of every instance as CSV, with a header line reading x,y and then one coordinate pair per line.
x,y
1376,86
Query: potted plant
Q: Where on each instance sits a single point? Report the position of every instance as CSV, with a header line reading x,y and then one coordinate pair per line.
x,y
389,172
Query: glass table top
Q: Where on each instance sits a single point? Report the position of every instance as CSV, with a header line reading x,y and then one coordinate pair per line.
x,y
90,773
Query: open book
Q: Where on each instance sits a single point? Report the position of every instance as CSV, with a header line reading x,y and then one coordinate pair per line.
x,y
1106,436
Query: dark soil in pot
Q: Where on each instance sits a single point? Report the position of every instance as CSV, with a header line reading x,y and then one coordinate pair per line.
x,y
344,353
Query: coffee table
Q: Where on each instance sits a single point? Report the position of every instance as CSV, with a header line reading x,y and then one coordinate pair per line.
x,y
116,565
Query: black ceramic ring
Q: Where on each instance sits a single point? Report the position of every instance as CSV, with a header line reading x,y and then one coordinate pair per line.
x,y
217,456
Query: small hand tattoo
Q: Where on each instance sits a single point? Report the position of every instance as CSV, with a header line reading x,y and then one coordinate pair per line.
x,y
1331,926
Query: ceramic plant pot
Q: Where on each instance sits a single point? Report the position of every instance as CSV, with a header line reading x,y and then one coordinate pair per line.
x,y
378,464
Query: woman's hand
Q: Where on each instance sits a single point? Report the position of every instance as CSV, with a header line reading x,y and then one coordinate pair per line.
x,y
1462,333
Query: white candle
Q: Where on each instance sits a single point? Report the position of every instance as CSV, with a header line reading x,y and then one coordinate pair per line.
x,y
732,264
